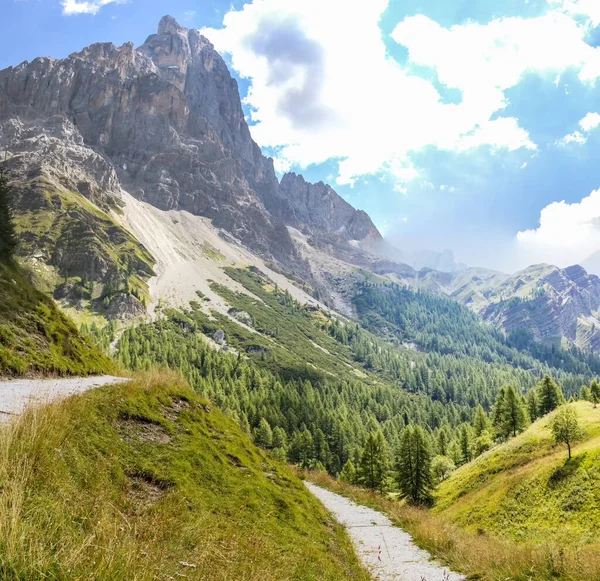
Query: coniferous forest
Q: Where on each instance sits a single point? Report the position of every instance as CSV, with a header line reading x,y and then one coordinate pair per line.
x,y
324,392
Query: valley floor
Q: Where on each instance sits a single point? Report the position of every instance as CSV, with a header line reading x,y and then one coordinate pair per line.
x,y
387,551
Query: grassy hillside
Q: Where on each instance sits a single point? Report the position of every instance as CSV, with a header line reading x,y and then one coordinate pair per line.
x,y
84,255
35,337
147,481
527,491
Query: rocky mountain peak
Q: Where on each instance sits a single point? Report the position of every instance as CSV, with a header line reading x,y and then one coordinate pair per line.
x,y
168,25
320,211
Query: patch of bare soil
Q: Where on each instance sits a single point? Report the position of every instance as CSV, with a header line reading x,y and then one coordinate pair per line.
x,y
136,431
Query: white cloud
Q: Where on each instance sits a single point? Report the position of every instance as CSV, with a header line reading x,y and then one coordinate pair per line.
x,y
590,122
324,87
567,233
73,7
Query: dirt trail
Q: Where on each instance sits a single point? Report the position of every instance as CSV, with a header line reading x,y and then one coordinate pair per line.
x,y
16,395
387,551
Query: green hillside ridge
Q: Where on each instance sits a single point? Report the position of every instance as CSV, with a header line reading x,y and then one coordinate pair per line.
x,y
35,337
147,481
526,490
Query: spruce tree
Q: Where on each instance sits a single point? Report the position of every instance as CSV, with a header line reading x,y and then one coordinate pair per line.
x,y
413,466
550,395
8,237
374,462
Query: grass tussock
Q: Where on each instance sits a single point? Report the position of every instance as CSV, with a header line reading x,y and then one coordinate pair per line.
x,y
147,481
35,337
478,556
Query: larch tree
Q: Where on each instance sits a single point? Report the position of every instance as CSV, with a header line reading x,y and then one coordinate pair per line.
x,y
595,392
550,395
514,416
374,462
533,405
263,435
480,422
348,473
413,466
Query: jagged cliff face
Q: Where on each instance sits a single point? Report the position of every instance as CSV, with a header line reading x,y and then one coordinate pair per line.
x,y
318,210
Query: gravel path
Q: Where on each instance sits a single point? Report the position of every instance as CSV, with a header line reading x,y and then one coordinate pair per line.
x,y
387,551
16,395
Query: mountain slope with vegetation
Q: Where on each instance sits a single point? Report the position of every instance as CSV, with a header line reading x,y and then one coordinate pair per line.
x,y
527,489
146,480
36,337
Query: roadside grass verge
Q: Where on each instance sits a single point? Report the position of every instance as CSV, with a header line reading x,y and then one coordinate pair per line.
x,y
477,556
146,481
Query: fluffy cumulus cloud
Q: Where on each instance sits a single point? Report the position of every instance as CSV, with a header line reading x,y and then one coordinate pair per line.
x,y
567,233
323,86
590,122
73,7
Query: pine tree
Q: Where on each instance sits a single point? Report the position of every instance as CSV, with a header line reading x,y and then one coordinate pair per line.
x,y
413,466
374,462
513,415
8,237
565,427
263,435
550,395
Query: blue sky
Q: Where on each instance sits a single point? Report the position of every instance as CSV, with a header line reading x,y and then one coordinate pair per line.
x,y
456,124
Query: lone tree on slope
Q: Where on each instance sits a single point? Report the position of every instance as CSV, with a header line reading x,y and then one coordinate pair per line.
x,y
565,427
8,238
